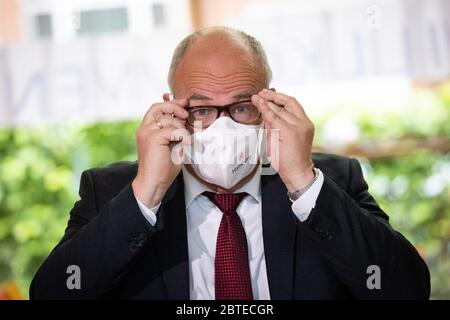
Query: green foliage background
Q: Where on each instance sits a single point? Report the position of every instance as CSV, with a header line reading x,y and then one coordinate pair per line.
x,y
40,170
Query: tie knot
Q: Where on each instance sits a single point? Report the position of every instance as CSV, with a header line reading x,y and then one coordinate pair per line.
x,y
226,202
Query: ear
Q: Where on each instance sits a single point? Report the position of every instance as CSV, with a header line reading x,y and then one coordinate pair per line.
x,y
166,97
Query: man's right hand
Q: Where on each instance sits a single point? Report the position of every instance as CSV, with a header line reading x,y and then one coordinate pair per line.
x,y
161,129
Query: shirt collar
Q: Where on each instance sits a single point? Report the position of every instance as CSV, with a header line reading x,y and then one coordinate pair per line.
x,y
193,188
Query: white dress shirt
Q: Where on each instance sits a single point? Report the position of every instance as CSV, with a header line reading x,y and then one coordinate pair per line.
x,y
203,220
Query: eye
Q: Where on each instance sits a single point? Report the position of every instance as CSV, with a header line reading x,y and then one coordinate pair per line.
x,y
242,108
200,112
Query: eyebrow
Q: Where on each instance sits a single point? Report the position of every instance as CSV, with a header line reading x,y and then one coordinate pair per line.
x,y
240,96
245,95
198,96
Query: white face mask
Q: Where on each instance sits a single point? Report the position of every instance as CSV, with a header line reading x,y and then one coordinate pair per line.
x,y
226,152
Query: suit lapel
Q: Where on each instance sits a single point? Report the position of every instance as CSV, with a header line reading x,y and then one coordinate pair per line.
x,y
172,242
279,230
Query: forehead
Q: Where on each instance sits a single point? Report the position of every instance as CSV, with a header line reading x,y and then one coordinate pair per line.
x,y
241,96
217,67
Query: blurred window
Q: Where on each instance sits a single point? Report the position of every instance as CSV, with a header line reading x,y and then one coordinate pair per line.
x,y
159,15
43,25
103,21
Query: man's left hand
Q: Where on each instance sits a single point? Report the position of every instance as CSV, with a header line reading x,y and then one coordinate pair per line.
x,y
295,135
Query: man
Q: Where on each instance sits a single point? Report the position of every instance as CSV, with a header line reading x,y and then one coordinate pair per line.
x,y
163,230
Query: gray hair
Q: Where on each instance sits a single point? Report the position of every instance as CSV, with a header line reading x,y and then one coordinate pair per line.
x,y
234,34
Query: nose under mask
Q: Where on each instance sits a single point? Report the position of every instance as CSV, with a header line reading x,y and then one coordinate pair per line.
x,y
226,152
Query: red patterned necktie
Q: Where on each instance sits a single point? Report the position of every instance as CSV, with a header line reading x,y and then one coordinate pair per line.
x,y
232,274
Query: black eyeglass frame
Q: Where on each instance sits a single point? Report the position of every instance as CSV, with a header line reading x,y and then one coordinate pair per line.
x,y
225,108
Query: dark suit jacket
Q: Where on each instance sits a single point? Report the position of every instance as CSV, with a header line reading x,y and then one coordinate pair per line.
x,y
121,255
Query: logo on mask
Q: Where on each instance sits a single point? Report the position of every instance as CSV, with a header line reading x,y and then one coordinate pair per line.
x,y
227,151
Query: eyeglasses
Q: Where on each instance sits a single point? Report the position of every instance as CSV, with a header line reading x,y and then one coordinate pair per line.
x,y
242,111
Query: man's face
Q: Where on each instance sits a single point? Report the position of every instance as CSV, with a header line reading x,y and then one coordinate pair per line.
x,y
216,71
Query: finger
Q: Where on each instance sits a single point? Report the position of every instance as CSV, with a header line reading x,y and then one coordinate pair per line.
x,y
288,102
182,135
173,134
167,121
158,109
172,108
169,97
163,136
178,138
181,102
282,113
268,114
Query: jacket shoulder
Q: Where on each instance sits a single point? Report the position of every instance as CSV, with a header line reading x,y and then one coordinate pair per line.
x,y
335,167
328,159
117,170
109,180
